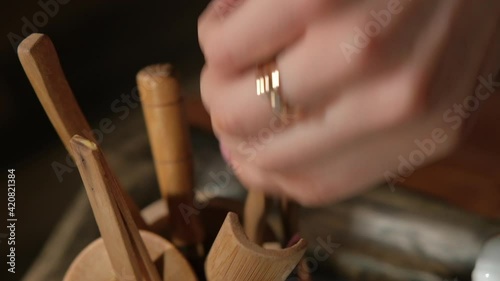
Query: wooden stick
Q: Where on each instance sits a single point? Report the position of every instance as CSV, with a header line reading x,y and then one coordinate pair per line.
x,y
171,146
254,216
289,219
39,59
290,222
234,257
121,237
257,206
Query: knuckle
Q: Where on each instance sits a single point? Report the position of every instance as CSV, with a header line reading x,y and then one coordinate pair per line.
x,y
371,51
453,139
414,103
311,198
216,50
361,58
256,180
202,37
307,191
218,54
204,27
205,88
407,108
223,122
367,42
408,102
307,9
267,162
369,54
326,189
452,144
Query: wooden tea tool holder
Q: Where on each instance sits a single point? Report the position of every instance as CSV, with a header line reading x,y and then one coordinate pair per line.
x,y
122,253
39,59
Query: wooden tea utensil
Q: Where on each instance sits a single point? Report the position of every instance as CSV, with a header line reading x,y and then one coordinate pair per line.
x,y
41,64
257,207
234,257
171,146
125,248
289,212
128,253
254,215
290,222
39,59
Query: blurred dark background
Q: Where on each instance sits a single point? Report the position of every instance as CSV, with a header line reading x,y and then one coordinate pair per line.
x,y
101,45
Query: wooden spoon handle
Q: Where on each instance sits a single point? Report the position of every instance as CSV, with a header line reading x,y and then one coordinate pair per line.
x,y
254,215
171,146
39,59
124,245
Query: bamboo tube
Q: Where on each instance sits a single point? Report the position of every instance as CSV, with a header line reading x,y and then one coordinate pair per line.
x,y
234,257
171,148
39,59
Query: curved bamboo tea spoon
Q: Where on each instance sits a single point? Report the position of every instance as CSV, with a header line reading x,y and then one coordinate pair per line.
x,y
234,257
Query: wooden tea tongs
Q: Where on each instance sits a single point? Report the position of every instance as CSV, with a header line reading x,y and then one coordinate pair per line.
x,y
39,59
126,249
124,244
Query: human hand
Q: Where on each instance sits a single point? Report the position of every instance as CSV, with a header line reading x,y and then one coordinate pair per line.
x,y
382,87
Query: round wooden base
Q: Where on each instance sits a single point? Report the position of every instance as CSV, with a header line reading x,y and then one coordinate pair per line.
x,y
93,263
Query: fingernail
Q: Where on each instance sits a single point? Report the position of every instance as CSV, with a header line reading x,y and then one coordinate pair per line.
x,y
294,240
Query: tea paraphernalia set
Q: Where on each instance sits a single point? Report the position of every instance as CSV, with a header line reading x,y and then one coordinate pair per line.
x,y
156,243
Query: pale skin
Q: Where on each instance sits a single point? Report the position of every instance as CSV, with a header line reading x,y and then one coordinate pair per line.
x,y
362,103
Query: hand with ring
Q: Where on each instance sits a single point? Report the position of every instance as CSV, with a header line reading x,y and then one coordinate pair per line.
x,y
318,100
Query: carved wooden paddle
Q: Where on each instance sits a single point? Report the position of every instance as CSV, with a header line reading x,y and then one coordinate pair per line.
x,y
39,59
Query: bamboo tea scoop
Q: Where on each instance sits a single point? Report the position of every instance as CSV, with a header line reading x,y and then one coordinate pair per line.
x,y
39,59
171,147
290,223
123,253
257,206
234,257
